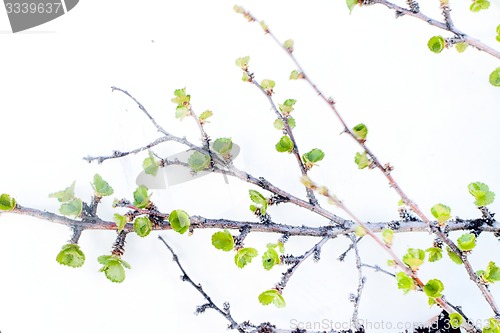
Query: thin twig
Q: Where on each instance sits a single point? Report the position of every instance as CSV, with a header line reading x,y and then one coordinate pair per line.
x,y
185,277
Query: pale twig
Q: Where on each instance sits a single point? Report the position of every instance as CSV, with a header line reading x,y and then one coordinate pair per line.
x,y
356,299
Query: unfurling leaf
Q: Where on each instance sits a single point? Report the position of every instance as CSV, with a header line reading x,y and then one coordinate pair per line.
x,y
288,45
435,253
295,75
461,47
284,145
478,5
259,200
71,255
223,146
433,288
179,220
481,192
466,242
141,197
272,296
362,160
150,165
287,107
360,131
279,125
113,267
387,236
223,240
181,99
495,77
456,320
7,203
71,208
312,157
101,187
66,195
405,282
244,256
181,112
243,62
198,161
268,86
441,212
205,115
436,44
492,273
350,4
120,221
453,256
270,258
142,226
414,258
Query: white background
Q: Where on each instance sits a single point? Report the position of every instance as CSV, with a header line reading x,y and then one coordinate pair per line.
x,y
434,117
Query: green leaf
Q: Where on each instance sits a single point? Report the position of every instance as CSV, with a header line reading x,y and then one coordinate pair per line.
x,y
414,258
71,208
198,161
243,62
181,99
481,192
223,240
288,45
312,157
245,77
141,197
405,282
179,220
142,226
284,145
120,221
66,195
461,47
433,288
453,256
441,212
223,146
492,273
270,258
268,86
495,77
456,320
114,270
287,107
295,75
272,296
71,255
279,125
498,29
362,160
239,9
7,203
101,187
479,5
205,115
493,326
264,26
181,112
150,165
351,4
260,200
360,131
387,236
435,254
436,44
466,242
244,256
